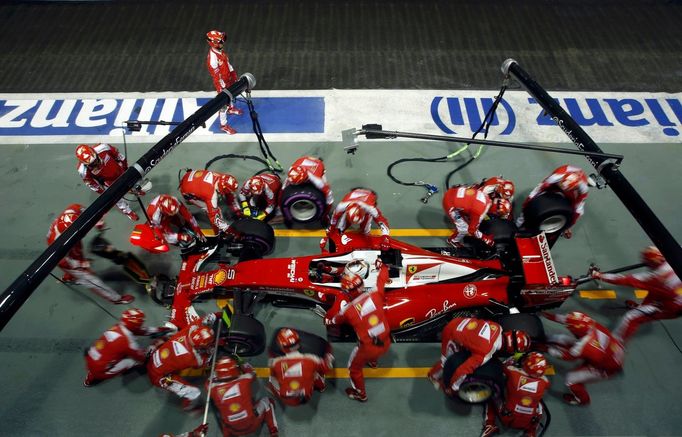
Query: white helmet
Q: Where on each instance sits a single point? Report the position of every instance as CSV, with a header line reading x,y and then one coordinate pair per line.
x,y
359,267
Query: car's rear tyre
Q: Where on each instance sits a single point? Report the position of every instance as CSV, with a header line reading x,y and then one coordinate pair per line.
x,y
310,343
549,212
246,336
502,230
485,383
302,204
528,323
257,237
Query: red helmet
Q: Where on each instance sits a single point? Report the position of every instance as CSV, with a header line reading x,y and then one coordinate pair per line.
x,y
132,318
351,282
227,368
506,189
256,185
570,182
298,175
652,257
501,208
288,340
535,364
515,341
216,39
168,205
70,214
86,154
355,214
226,184
579,323
202,337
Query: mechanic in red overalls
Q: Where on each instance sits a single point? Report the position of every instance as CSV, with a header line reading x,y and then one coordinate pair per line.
x,y
664,297
222,73
480,337
295,375
308,169
202,187
358,209
521,407
497,188
191,347
601,352
573,183
260,192
232,396
116,350
75,266
365,313
466,207
173,220
99,167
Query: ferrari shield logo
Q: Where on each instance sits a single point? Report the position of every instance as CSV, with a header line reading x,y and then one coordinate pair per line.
x,y
412,270
308,292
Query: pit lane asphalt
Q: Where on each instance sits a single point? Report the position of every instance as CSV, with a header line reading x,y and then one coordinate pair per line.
x,y
41,348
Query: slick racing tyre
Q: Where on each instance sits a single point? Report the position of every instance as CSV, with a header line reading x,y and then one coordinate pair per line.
x,y
257,237
502,230
549,212
245,338
310,343
485,383
302,204
528,323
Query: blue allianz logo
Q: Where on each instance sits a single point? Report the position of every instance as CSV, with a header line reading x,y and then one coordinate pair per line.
x,y
475,110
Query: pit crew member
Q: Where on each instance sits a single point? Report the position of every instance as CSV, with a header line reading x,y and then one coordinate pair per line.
x,y
199,431
310,169
365,313
231,393
295,375
521,407
480,337
75,266
202,188
116,350
358,208
260,193
222,73
573,183
497,187
664,298
174,221
99,167
602,354
466,207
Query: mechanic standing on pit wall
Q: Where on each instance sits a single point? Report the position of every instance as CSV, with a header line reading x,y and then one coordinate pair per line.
x,y
466,207
116,350
76,268
573,183
190,347
601,352
166,212
521,407
295,375
480,337
202,187
310,169
99,167
358,208
664,297
365,313
222,73
231,394
260,193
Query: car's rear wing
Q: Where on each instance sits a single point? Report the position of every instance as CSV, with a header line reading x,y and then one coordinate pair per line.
x,y
536,259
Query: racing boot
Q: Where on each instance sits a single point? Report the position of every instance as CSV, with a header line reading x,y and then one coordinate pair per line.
x,y
356,395
489,430
191,404
132,215
228,129
234,111
631,304
572,399
90,380
372,364
124,300
68,278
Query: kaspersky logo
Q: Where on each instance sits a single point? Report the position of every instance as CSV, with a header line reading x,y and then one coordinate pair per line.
x,y
453,114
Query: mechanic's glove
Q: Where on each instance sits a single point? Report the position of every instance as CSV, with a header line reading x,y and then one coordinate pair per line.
x,y
567,234
231,232
261,216
84,265
184,239
595,274
100,225
245,209
200,236
200,431
323,244
385,243
488,240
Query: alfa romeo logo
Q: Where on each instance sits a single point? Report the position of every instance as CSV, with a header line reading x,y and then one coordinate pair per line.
x,y
470,291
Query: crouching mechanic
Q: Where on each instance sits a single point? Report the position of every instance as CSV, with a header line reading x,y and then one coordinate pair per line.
x,y
99,167
309,169
75,266
365,313
480,337
260,193
521,408
202,187
295,375
231,394
466,207
358,209
664,297
177,225
191,347
116,350
497,188
601,352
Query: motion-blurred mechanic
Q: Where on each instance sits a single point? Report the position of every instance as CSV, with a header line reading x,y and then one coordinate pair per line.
x,y
222,73
75,266
177,225
99,167
467,207
308,169
202,188
260,194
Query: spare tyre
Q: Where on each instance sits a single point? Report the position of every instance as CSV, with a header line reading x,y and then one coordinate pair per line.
x,y
550,212
485,383
528,323
257,237
302,204
501,230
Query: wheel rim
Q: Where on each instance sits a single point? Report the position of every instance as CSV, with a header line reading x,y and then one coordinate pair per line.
x,y
475,392
553,224
303,210
239,347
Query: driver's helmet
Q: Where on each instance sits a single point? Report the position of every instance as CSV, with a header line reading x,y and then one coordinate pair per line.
x,y
132,318
569,182
501,208
652,257
297,175
358,266
256,185
87,155
168,205
215,39
355,214
227,368
535,364
202,337
579,323
226,184
288,340
515,341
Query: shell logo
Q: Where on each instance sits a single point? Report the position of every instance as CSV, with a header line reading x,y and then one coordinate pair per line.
x,y
99,345
165,353
294,385
526,401
198,174
472,325
373,320
235,407
220,277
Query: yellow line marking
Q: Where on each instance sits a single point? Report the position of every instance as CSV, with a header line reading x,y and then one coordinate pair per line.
x,y
598,294
318,233
641,294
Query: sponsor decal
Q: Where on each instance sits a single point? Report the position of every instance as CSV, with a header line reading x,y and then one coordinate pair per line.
x,y
220,277
345,239
407,322
373,320
292,270
221,391
470,291
234,407
446,307
294,385
526,401
99,345
472,325
165,353
414,269
547,259
308,292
